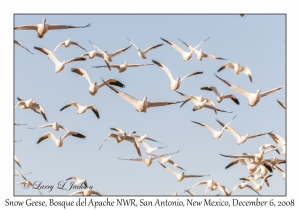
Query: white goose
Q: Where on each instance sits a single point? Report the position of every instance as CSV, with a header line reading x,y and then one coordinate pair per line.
x,y
17,161
263,172
91,54
252,167
26,184
78,181
253,98
30,104
21,45
281,104
282,172
148,161
279,141
149,149
140,106
59,66
54,125
142,138
191,193
59,141
185,55
142,54
242,186
175,84
43,28
67,43
200,53
87,192
237,69
221,96
82,109
122,67
93,89
240,139
216,134
180,176
17,173
210,184
257,187
167,159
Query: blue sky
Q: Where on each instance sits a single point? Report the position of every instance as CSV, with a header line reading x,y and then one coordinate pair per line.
x,y
256,41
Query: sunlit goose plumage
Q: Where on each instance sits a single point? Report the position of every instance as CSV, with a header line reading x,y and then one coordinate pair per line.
x,y
67,43
93,89
26,184
180,176
148,161
257,187
191,193
282,172
237,69
240,139
221,96
140,106
43,28
253,98
30,104
142,54
21,45
149,149
59,66
17,161
122,67
281,104
142,138
78,181
82,109
279,141
59,141
211,184
167,159
17,173
216,134
242,186
54,125
252,167
87,192
175,84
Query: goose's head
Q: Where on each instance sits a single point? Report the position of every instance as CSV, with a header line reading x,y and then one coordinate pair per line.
x,y
178,79
258,91
95,83
144,99
222,94
44,20
125,63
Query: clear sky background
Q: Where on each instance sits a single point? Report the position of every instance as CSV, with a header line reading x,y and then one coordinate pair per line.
x,y
256,41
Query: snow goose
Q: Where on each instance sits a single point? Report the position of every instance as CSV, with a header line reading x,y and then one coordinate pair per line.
x,y
43,28
242,186
200,53
260,169
257,187
191,193
26,184
185,55
200,102
253,98
54,125
82,109
237,69
240,139
142,54
252,167
21,45
17,173
59,141
142,138
175,194
180,176
67,43
221,96
216,134
59,66
175,84
149,149
167,159
93,89
30,104
280,171
211,184
148,161
279,141
122,67
17,161
281,104
78,181
87,192
140,106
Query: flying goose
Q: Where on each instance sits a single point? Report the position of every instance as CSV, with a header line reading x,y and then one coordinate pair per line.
x,y
279,141
26,184
122,67
240,139
149,149
257,187
167,159
142,54
140,106
175,84
30,104
216,134
253,98
59,141
17,161
67,43
54,125
191,193
142,138
210,184
82,109
242,186
252,167
221,96
237,69
93,89
281,104
21,45
180,176
87,192
17,173
200,53
147,161
280,171
43,28
185,55
78,181
59,66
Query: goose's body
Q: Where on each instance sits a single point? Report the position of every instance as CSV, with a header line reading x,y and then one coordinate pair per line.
x,y
87,192
175,83
210,184
149,149
30,104
82,109
59,66
279,141
252,167
142,54
253,98
221,96
78,181
21,45
257,187
93,88
59,141
237,69
67,43
54,125
167,159
123,67
43,28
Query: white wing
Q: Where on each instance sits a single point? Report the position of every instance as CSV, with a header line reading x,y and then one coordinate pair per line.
x,y
82,73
